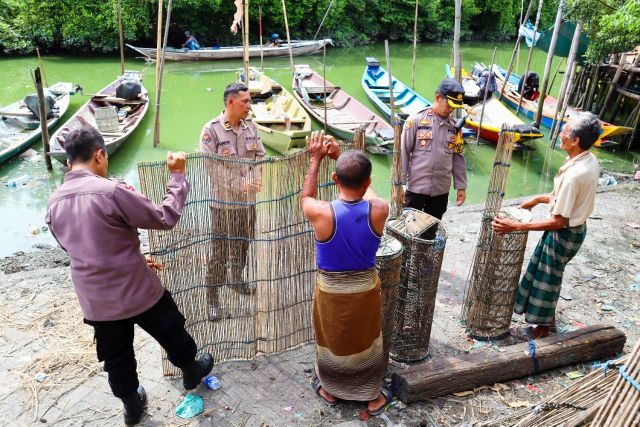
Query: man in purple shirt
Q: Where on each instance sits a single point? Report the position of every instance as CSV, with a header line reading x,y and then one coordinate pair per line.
x,y
96,220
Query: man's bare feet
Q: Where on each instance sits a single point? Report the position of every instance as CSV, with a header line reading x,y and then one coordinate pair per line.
x,y
375,405
327,396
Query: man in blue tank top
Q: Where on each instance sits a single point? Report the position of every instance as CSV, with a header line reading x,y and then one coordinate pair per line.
x,y
347,313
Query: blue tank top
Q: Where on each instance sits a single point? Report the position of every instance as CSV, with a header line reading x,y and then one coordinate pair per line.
x,y
353,243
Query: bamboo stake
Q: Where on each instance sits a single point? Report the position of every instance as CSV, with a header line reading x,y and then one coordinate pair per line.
x,y
516,52
324,83
43,119
415,40
593,83
535,30
555,74
613,84
245,42
156,124
260,20
158,42
517,47
121,35
286,26
322,22
547,66
397,194
41,65
574,65
456,41
484,94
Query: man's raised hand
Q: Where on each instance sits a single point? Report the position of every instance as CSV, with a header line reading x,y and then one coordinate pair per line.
x,y
316,147
176,162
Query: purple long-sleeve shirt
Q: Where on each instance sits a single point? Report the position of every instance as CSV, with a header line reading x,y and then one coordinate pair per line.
x,y
96,220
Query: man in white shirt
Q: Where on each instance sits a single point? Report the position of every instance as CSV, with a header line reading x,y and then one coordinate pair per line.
x,y
570,204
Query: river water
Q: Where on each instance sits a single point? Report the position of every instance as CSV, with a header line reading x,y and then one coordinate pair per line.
x,y
192,95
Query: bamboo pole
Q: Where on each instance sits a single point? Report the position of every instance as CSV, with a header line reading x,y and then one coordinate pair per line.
x,y
158,42
121,36
574,65
547,65
286,26
160,60
484,94
517,47
324,83
322,22
41,66
591,91
613,84
415,41
43,119
456,41
245,42
516,52
526,71
397,194
260,21
555,74
571,59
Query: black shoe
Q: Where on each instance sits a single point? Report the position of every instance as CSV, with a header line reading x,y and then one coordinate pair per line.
x,y
134,405
198,369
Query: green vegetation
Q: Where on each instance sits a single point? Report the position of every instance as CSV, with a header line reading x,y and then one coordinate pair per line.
x,y
91,25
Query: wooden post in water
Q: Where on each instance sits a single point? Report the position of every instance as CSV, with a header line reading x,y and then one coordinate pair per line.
x,y
591,91
397,194
158,42
245,42
516,51
526,70
547,65
286,27
456,41
554,138
631,77
415,42
160,60
484,94
324,83
573,51
260,23
612,86
555,74
41,66
121,34
42,112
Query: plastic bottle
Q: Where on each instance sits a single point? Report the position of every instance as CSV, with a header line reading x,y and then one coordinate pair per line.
x,y
212,382
21,180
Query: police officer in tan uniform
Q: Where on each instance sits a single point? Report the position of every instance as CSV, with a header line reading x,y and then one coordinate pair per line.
x,y
234,186
432,153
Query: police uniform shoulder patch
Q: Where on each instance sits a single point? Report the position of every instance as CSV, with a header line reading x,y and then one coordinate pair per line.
x,y
430,111
127,186
227,125
206,138
409,123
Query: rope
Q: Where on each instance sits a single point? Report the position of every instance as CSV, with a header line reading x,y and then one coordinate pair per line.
x,y
628,378
534,357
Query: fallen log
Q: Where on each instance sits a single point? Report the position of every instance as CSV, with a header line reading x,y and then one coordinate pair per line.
x,y
438,377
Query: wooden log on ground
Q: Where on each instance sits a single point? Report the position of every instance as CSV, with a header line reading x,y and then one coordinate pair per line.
x,y
438,377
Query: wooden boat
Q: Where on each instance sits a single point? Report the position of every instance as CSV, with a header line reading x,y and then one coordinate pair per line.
x,y
298,47
19,127
375,82
282,123
344,113
471,89
99,113
495,115
529,108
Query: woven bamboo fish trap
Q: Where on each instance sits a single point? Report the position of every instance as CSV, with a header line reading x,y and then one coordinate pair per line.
x,y
388,264
421,263
621,407
493,279
279,266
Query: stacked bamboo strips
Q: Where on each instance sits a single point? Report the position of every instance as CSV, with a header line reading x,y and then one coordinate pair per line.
x,y
622,405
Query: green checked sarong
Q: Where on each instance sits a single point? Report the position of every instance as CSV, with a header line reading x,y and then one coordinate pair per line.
x,y
539,288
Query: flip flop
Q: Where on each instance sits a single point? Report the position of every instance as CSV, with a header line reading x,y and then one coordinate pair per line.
x,y
388,397
315,384
525,334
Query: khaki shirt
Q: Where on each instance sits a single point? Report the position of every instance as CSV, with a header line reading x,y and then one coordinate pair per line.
x,y
229,179
574,188
431,154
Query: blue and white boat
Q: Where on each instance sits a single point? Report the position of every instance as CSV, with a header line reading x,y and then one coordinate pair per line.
x,y
375,82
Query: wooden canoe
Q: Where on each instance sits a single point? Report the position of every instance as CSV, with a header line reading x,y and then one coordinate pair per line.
x,y
375,82
19,127
512,97
298,47
344,113
282,123
131,113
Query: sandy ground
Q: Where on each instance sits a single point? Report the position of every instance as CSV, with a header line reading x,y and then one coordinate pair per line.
x,y
49,374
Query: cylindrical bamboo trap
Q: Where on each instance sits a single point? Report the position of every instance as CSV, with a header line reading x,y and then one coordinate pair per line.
x,y
389,263
421,263
622,405
493,278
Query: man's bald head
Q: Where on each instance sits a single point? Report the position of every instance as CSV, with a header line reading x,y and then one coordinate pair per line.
x,y
353,169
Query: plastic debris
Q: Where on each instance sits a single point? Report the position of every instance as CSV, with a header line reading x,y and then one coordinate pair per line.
x,y
41,376
533,388
190,406
607,181
633,225
21,180
574,375
287,408
212,382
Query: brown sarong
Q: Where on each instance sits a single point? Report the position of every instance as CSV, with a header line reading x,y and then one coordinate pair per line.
x,y
347,318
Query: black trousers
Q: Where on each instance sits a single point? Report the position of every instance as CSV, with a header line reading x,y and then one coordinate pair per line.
x,y
114,343
433,205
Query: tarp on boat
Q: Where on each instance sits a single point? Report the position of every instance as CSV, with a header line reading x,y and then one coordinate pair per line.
x,y
563,45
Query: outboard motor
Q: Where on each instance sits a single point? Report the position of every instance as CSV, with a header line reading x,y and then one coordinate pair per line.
x,y
32,103
128,89
486,83
531,82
